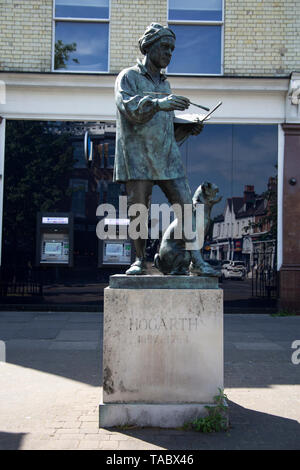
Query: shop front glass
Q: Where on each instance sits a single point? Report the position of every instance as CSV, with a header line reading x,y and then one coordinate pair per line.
x,y
63,265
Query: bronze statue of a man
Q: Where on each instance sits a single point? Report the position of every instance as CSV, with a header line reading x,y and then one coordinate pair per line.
x,y
146,149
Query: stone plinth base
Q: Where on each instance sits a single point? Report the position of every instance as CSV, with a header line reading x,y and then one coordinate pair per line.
x,y
150,415
163,351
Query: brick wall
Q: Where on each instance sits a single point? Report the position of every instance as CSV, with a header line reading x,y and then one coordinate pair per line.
x,y
129,19
261,37
292,36
25,35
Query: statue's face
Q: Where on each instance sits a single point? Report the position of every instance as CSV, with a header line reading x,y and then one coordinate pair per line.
x,y
160,53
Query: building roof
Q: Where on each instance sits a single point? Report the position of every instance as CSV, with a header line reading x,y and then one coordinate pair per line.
x,y
219,218
237,203
246,207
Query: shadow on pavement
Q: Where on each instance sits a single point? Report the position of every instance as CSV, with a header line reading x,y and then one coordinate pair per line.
x,y
81,366
62,344
10,440
249,429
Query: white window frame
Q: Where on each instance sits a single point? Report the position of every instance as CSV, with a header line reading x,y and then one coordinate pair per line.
x,y
80,20
202,23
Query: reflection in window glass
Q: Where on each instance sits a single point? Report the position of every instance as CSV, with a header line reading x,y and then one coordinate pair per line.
x,y
111,154
201,10
81,46
232,156
82,9
79,189
208,157
78,154
198,49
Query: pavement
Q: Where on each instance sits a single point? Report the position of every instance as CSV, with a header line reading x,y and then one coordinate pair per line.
x,y
50,386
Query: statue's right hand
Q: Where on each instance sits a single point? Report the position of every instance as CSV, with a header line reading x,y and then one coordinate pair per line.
x,y
173,102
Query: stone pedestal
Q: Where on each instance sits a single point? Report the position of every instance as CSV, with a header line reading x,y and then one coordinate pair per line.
x,y
163,349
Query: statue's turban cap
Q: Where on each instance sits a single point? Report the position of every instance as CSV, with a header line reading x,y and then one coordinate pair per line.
x,y
154,32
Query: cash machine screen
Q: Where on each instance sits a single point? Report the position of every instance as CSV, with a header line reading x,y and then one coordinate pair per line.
x,y
116,252
55,250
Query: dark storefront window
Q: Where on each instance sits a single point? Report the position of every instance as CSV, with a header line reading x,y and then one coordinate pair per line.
x,y
232,156
79,188
45,171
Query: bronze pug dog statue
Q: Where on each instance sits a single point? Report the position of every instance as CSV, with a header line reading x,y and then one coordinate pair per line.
x,y
173,258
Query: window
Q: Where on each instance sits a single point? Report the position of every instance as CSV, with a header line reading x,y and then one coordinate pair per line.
x,y
198,25
81,35
78,154
106,153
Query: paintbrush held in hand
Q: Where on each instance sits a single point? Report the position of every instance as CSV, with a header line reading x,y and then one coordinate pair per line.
x,y
166,94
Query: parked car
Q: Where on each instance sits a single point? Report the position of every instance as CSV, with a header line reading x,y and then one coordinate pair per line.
x,y
234,270
225,263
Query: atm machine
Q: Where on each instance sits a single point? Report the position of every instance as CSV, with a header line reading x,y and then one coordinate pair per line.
x,y
54,245
116,252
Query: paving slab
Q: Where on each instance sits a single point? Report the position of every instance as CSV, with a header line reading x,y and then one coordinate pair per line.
x,y
74,345
27,344
37,333
91,325
78,335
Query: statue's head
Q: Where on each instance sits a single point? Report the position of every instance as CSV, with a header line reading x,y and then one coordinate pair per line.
x,y
158,43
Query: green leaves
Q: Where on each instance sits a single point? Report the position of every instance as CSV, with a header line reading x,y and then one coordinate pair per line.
x,y
215,421
62,54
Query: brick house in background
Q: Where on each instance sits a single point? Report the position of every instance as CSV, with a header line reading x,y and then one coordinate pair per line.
x,y
59,60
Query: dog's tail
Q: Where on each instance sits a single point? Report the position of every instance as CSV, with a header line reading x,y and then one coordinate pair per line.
x,y
157,261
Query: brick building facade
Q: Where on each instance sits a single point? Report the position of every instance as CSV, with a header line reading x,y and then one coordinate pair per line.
x,y
254,70
261,37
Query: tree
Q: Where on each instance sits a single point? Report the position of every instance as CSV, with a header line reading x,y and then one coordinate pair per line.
x,y
62,54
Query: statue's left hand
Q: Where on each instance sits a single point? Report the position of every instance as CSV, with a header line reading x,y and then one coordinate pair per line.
x,y
183,131
197,128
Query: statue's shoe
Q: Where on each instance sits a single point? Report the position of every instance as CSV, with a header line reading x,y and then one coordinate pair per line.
x,y
204,269
137,268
